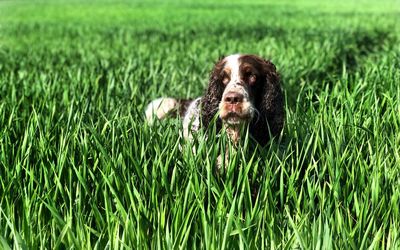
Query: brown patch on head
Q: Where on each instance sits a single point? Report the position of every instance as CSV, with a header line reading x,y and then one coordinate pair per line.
x,y
261,65
255,71
249,73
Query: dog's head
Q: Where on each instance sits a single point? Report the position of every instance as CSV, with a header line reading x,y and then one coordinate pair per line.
x,y
244,89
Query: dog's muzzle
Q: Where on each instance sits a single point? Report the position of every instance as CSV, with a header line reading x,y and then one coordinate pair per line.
x,y
235,107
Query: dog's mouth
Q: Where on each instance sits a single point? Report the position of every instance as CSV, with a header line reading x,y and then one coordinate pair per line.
x,y
235,118
235,114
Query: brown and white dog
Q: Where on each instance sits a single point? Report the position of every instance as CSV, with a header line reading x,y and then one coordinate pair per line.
x,y
242,90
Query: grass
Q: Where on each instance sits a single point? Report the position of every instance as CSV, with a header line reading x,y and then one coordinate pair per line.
x,y
79,167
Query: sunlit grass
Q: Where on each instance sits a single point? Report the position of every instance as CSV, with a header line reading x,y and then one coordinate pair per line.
x,y
79,167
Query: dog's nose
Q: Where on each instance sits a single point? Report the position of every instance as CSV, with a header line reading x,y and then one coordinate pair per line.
x,y
233,98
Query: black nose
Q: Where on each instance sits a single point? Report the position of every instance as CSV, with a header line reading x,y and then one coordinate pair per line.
x,y
233,98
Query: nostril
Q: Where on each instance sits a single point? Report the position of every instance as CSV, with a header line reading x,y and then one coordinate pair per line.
x,y
237,99
233,98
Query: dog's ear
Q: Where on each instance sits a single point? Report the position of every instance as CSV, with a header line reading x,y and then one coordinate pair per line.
x,y
271,105
211,99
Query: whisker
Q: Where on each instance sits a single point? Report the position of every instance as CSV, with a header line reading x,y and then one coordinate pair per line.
x,y
257,113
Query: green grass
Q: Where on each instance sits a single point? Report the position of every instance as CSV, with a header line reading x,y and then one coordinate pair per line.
x,y
79,167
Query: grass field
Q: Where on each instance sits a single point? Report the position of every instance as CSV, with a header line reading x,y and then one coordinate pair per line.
x,y
79,167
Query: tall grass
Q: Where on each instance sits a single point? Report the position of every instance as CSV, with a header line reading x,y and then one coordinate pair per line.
x,y
79,167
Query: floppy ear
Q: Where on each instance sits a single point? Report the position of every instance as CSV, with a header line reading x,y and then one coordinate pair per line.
x,y
270,106
211,99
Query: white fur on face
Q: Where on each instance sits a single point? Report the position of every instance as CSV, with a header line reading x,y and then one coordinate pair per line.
x,y
232,62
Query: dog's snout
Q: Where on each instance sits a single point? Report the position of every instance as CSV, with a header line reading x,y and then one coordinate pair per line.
x,y
233,98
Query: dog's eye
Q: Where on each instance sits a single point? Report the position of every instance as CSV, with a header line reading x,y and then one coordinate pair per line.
x,y
225,78
252,78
